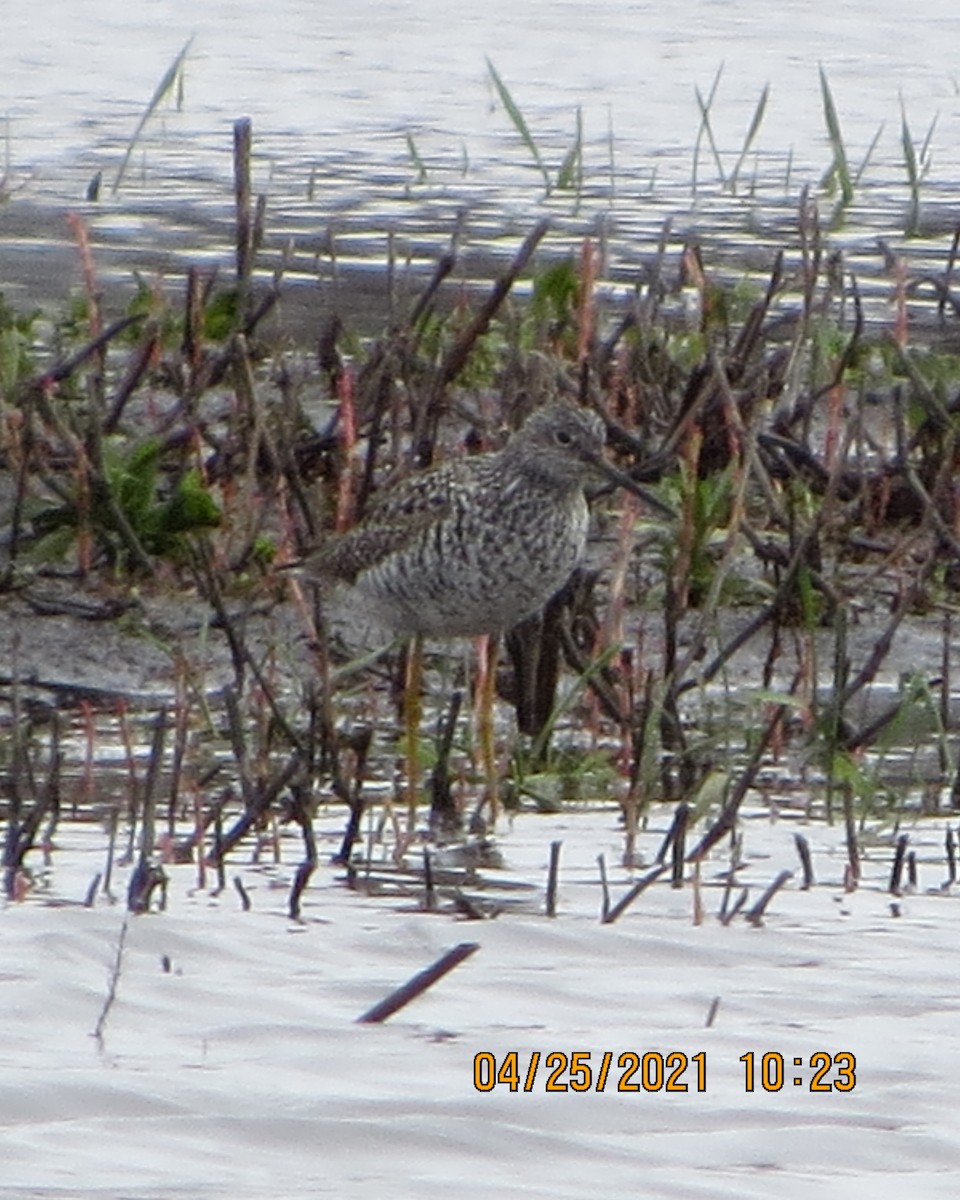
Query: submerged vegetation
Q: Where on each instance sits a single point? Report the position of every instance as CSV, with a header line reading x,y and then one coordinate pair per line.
x,y
808,454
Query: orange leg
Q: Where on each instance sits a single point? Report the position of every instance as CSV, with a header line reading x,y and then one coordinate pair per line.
x,y
487,648
412,716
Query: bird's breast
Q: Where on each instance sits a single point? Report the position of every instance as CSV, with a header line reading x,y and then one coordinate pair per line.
x,y
493,560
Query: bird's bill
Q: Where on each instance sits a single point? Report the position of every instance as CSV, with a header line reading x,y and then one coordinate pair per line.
x,y
630,485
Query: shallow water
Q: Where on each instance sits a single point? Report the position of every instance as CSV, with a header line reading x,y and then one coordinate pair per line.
x,y
351,78
334,90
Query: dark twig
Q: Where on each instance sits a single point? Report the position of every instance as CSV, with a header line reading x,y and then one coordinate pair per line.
x,y
456,357
301,806
63,370
625,901
242,893
881,646
429,886
676,833
728,815
728,914
755,915
112,988
261,800
147,876
806,862
604,889
679,844
552,876
136,370
899,857
444,816
242,146
418,984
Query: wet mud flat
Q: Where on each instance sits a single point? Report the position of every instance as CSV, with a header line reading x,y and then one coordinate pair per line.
x,y
160,471
359,240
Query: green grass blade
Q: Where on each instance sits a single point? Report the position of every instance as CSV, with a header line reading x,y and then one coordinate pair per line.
x,y
570,175
909,150
706,128
861,170
788,172
916,163
840,170
516,116
5,174
925,148
172,79
752,132
611,152
564,703
418,164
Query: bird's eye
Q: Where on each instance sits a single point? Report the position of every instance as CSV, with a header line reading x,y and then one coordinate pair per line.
x,y
564,438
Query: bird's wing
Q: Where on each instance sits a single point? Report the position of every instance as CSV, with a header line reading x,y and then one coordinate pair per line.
x,y
399,514
429,495
347,555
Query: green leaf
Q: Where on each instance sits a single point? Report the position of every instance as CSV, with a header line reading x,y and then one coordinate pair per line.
x,y
133,481
706,128
840,169
570,174
751,134
418,164
11,358
220,315
555,292
172,81
515,115
190,507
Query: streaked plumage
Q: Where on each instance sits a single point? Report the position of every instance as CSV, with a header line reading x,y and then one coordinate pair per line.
x,y
477,544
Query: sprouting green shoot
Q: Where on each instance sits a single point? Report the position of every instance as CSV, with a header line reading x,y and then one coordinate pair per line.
x,y
516,116
172,81
418,164
925,148
751,134
611,147
916,163
570,175
839,172
861,170
707,128
5,174
909,150
538,748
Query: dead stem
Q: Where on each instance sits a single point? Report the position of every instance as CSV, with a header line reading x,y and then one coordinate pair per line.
x,y
418,984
